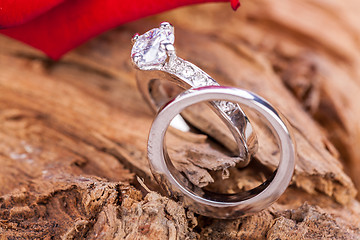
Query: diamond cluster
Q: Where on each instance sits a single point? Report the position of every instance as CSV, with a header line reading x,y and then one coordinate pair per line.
x,y
195,77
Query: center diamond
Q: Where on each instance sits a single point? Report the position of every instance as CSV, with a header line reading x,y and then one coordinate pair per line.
x,y
147,50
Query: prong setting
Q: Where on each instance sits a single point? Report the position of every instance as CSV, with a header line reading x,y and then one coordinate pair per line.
x,y
169,48
166,25
136,57
135,37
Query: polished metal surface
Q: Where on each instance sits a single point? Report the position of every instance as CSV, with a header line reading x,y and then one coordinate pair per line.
x,y
185,75
215,204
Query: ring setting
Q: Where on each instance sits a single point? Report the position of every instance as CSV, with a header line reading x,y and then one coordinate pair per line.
x,y
149,50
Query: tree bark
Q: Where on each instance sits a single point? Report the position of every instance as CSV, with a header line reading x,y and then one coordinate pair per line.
x,y
74,132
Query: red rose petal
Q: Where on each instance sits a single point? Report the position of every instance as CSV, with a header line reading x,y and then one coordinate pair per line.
x,y
16,12
235,4
72,22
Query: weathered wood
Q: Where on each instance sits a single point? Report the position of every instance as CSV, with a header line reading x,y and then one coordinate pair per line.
x,y
74,132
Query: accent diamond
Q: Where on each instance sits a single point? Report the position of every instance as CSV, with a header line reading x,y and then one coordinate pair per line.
x,y
188,71
201,80
227,107
147,50
174,65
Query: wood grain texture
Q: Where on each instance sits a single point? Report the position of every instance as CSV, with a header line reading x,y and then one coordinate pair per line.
x,y
74,132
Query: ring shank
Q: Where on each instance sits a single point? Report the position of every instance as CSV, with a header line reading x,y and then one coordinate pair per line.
x,y
213,204
151,87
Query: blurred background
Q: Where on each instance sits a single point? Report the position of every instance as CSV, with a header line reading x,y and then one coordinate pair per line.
x,y
70,126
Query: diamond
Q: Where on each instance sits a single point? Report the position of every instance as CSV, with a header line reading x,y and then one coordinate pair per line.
x,y
227,107
201,80
175,65
147,50
188,71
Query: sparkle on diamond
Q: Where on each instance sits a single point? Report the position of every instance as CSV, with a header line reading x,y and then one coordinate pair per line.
x,y
147,50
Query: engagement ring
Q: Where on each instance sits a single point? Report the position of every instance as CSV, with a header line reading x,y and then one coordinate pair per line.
x,y
153,53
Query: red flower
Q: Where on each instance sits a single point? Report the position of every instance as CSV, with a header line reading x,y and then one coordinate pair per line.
x,y
57,26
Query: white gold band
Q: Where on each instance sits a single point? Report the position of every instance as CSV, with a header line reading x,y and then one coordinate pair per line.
x,y
213,204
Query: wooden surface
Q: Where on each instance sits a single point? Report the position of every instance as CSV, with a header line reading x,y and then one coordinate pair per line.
x,y
74,132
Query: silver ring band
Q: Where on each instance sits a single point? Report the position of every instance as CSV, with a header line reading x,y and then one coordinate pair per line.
x,y
213,204
161,63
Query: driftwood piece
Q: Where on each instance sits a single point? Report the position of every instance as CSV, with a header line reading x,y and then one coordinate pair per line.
x,y
74,132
